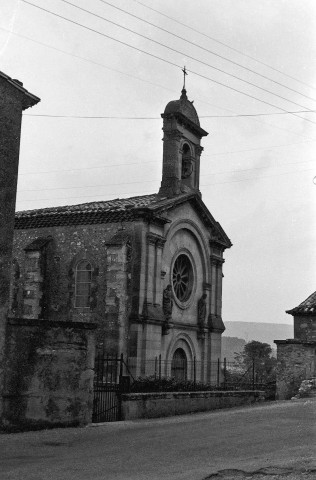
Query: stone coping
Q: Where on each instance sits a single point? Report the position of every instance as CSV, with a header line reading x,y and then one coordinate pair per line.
x,y
30,322
200,394
295,341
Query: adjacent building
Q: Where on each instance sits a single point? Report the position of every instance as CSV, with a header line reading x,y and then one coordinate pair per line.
x,y
296,357
14,98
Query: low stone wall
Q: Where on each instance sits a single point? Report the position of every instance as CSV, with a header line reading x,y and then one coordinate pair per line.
x,y
152,405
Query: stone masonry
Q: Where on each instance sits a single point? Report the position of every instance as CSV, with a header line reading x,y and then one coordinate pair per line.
x,y
13,100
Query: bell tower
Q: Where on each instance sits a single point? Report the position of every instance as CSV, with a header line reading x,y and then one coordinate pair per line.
x,y
182,147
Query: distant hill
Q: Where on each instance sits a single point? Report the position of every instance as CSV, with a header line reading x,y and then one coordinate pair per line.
x,y
262,332
230,346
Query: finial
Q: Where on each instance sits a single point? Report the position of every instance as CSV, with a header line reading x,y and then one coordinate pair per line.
x,y
184,74
184,92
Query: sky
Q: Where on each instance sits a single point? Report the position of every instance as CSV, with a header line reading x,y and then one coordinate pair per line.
x,y
105,75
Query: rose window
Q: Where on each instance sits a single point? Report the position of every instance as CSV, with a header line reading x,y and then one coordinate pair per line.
x,y
182,278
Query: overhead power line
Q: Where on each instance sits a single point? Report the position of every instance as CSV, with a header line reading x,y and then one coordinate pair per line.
x,y
154,161
161,59
205,49
59,50
225,172
185,54
204,185
109,117
224,44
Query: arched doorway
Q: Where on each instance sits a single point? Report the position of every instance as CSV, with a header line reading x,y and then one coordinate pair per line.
x,y
179,365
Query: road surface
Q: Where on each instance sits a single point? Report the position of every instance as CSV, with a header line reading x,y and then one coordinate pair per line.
x,y
279,437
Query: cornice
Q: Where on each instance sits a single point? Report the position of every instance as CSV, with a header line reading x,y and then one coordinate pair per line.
x,y
185,121
217,261
155,239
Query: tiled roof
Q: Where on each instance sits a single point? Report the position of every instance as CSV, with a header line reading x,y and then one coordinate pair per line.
x,y
120,209
308,307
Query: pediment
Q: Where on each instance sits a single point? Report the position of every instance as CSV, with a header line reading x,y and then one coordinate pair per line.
x,y
217,234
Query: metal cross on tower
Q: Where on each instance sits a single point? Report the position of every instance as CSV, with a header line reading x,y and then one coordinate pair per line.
x,y
184,74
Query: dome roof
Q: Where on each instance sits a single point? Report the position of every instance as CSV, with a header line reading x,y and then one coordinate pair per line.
x,y
184,106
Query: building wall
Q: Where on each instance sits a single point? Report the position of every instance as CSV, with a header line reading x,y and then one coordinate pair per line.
x,y
295,362
11,106
47,292
305,327
49,374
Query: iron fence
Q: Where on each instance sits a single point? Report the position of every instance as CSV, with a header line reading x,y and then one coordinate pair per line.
x,y
193,375
135,375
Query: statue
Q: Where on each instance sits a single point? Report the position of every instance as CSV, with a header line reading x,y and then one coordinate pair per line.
x,y
202,311
167,302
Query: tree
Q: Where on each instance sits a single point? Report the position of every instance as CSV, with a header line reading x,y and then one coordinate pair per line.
x,y
258,355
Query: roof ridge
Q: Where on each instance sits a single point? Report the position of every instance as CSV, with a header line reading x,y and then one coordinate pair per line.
x,y
76,207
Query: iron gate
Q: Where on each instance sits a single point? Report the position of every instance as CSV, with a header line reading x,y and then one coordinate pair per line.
x,y
108,387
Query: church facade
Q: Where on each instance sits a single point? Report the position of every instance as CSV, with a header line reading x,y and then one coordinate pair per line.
x,y
147,270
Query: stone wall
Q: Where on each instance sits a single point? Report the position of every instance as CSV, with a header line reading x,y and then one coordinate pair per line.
x,y
153,405
305,327
43,277
49,374
295,362
13,99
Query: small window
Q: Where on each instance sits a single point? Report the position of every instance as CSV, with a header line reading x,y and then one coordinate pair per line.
x,y
83,284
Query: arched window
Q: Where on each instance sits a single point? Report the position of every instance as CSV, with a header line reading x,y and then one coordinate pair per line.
x,y
83,278
179,365
187,166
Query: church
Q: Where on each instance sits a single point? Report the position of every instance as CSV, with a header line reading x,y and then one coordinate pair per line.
x,y
146,270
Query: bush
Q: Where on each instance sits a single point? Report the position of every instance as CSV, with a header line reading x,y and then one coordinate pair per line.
x,y
167,384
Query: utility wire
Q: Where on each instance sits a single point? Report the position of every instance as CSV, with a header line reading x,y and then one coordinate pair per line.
x,y
109,117
138,78
88,60
224,44
225,172
154,161
186,55
161,59
204,185
204,48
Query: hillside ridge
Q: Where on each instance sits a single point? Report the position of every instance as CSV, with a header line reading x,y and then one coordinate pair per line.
x,y
260,331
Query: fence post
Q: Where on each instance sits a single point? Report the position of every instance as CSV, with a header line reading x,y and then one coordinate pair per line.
x,y
194,370
121,365
218,368
253,374
225,373
159,371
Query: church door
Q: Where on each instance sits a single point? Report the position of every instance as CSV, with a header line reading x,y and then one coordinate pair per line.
x,y
179,365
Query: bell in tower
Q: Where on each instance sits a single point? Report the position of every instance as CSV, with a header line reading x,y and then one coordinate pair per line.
x,y
181,149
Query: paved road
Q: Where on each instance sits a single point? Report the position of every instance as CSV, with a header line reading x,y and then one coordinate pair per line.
x,y
191,447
